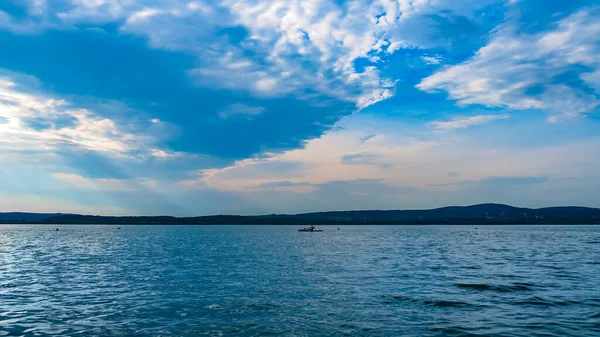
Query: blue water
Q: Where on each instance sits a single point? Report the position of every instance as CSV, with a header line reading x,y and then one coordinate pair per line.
x,y
269,280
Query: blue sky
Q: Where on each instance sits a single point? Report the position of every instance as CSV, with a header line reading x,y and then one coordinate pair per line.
x,y
248,107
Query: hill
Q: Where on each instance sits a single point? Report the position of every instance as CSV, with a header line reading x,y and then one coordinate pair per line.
x,y
20,217
476,214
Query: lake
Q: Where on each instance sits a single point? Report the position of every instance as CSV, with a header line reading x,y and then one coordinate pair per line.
x,y
273,280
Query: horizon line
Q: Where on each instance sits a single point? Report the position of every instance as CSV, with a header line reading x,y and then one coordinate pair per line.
x,y
302,213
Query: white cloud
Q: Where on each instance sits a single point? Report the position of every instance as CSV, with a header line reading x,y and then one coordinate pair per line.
x,y
241,109
331,37
513,66
162,154
142,15
39,122
593,79
431,59
466,122
293,46
97,10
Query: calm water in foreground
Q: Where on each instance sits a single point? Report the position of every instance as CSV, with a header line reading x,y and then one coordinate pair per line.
x,y
268,280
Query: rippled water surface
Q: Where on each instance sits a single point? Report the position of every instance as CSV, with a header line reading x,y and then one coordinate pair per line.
x,y
269,280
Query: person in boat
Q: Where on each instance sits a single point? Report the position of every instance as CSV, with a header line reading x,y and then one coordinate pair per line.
x,y
311,228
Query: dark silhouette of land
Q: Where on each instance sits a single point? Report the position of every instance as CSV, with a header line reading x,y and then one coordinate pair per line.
x,y
477,214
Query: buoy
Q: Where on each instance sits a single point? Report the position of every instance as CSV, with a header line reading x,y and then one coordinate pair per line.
x,y
57,229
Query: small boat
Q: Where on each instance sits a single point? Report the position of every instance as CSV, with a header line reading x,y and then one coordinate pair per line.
x,y
308,230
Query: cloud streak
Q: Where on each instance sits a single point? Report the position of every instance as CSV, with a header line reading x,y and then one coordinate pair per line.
x,y
241,109
466,122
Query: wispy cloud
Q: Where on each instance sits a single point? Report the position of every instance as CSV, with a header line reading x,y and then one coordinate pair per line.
x,y
373,159
84,129
35,123
104,184
286,186
431,59
466,122
531,71
241,109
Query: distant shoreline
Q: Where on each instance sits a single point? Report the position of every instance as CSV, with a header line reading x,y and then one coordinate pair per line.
x,y
300,224
483,214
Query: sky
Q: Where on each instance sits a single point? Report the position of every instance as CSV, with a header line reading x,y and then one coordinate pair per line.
x,y
186,107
